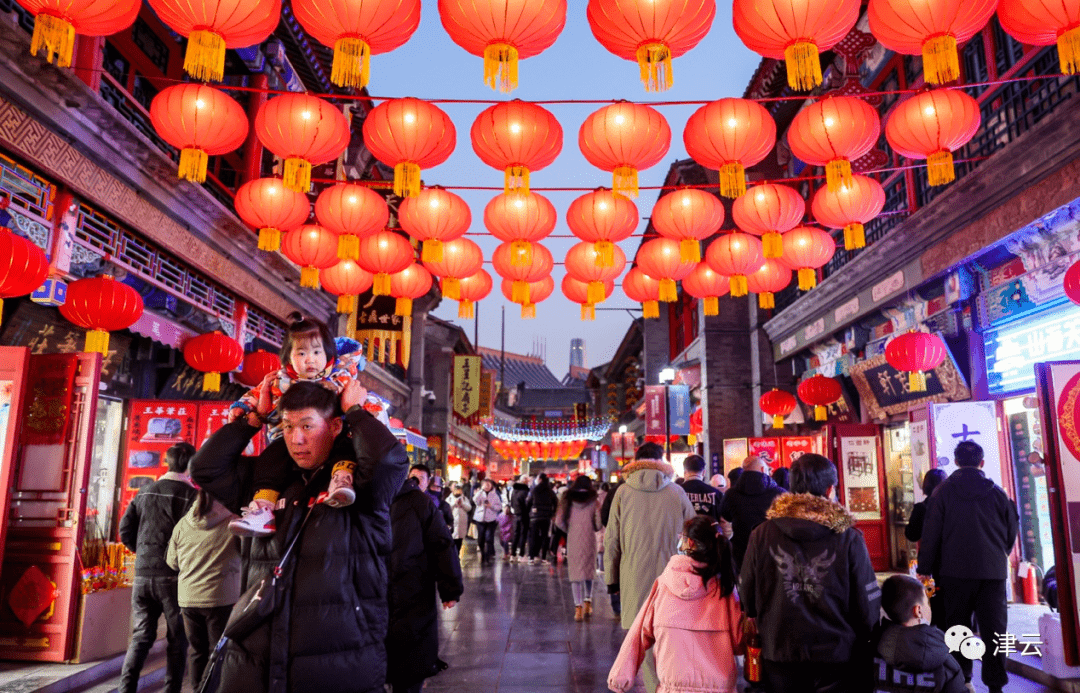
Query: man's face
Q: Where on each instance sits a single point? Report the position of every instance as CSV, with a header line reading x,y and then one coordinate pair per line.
x,y
309,436
421,476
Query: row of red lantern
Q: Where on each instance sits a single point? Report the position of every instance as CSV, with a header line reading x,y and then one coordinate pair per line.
x,y
538,449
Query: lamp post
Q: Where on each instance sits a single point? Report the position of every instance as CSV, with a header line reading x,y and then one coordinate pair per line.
x,y
666,376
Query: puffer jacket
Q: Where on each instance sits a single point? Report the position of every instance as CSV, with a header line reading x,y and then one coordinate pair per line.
x,y
519,496
148,522
542,502
915,659
745,506
328,633
489,512
207,556
461,506
683,616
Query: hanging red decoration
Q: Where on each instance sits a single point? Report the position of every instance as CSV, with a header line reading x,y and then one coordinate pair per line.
x,y
538,291
708,285
662,259
915,352
729,135
303,130
522,274
1071,282
735,255
583,293
520,219
256,366
471,289
518,137
384,253
461,258
624,138
212,354
101,305
832,133
273,209
503,32
771,278
769,210
201,122
603,219
313,248
641,288
408,285
581,264
932,125
23,266
1043,24
434,216
346,280
352,212
819,392
807,249
56,22
849,208
410,135
688,216
777,404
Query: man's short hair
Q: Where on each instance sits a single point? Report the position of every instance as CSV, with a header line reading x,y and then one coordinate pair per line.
x,y
178,456
694,464
301,396
649,451
968,454
420,468
813,474
753,463
899,595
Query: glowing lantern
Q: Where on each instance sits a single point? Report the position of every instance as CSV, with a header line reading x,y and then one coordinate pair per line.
x,y
932,28
213,353
624,138
346,280
303,130
916,353
408,285
471,289
211,26
662,259
384,253
932,125
832,133
57,21
434,216
641,288
651,32
23,266
768,211
1042,24
256,366
819,392
520,219
735,255
352,212
101,305
581,292
688,216
603,219
777,404
410,135
708,285
461,258
522,274
849,208
503,32
201,122
518,137
1071,281
356,30
796,32
270,207
538,291
313,248
581,264
730,135
771,278
806,249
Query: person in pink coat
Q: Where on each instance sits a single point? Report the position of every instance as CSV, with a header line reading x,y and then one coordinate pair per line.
x,y
692,619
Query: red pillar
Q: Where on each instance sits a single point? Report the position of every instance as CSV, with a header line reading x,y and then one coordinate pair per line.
x,y
89,58
253,149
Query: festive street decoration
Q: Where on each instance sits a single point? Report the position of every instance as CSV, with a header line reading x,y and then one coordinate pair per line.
x,y
538,291
56,22
384,253
641,288
581,264
352,212
471,289
212,354
916,353
346,280
23,266
735,255
313,248
520,219
409,284
201,122
518,137
272,209
461,258
624,138
819,392
708,285
582,293
410,135
688,216
256,366
832,133
434,216
663,260
602,218
303,130
211,26
807,249
729,135
1043,24
777,404
769,210
101,305
932,125
771,278
849,208
522,274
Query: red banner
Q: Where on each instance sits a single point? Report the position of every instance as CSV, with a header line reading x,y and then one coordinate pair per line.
x,y
768,449
794,447
155,426
655,410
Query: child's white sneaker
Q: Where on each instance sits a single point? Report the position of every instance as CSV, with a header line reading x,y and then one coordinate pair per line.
x,y
257,520
340,492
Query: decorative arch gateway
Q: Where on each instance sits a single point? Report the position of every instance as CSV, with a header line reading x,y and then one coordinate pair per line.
x,y
524,441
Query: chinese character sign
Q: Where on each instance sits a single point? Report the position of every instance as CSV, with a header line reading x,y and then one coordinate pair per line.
x,y
957,422
487,393
792,448
655,411
466,386
154,426
859,459
768,449
679,409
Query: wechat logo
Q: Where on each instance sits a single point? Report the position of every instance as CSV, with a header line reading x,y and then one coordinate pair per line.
x,y
961,639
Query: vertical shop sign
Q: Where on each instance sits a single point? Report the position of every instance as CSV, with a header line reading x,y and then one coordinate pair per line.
x,y
735,451
679,410
768,449
957,422
487,393
655,411
154,427
859,458
466,387
794,447
920,450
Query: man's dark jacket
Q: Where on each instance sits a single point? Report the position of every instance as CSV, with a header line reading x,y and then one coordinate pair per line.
x,y
542,502
519,500
704,498
328,634
147,524
745,505
969,530
915,659
423,557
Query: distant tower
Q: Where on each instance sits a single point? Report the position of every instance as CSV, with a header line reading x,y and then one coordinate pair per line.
x,y
577,352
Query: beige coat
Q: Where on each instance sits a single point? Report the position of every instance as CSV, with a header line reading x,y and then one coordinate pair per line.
x,y
207,556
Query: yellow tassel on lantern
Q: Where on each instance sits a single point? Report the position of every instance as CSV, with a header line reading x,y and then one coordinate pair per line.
x,y
297,175
588,311
407,179
838,175
309,277
820,413
346,303
451,288
528,311
651,309
380,285
712,305
596,293
772,245
432,251
917,381
403,306
97,341
192,165
807,279
739,286
654,59
803,66
605,253
516,179
732,180
668,291
352,63
766,300
854,236
56,36
691,440
269,239
624,181
348,247
205,57
501,67
690,250
941,64
778,421
465,308
521,253
350,325
211,382
939,168
1069,51
519,292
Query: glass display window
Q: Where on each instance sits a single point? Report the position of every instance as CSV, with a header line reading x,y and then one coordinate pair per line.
x,y
1025,433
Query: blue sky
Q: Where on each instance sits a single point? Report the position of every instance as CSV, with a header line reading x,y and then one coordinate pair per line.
x,y
432,66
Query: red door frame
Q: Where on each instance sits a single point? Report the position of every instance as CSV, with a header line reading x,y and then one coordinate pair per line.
x,y
875,532
13,364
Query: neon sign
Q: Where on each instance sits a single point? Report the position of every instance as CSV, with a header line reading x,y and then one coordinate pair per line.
x,y
1013,349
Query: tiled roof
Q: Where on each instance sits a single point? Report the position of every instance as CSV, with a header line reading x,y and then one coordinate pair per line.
x,y
521,369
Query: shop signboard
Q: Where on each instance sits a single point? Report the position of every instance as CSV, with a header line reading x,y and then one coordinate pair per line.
x,y
214,415
957,422
655,410
886,391
679,410
153,427
792,448
466,387
1013,349
768,449
920,449
859,462
735,451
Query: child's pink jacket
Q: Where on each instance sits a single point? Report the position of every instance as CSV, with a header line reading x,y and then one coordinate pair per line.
x,y
693,632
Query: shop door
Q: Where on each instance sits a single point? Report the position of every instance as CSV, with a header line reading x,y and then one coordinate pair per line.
x,y
13,363
40,578
859,460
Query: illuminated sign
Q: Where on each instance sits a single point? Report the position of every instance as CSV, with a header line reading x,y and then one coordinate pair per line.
x,y
1013,349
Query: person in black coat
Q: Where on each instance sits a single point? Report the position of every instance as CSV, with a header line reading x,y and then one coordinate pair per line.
x,y
746,502
423,559
704,498
782,477
519,506
541,502
913,530
328,632
435,492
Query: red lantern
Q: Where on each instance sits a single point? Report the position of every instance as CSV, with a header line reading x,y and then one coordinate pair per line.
x,y
356,30
23,266
518,137
408,285
503,32
651,32
410,135
213,353
661,259
434,216
352,212
313,248
1042,24
932,125
708,285
641,288
688,216
806,249
603,219
583,293
101,305
520,219
624,138
1071,282
270,207
768,211
461,258
819,392
916,353
735,255
211,26
832,133
581,264
303,130
522,275
849,208
696,426
201,122
538,291
730,135
777,404
56,22
384,253
256,366
472,289
346,280
796,32
771,278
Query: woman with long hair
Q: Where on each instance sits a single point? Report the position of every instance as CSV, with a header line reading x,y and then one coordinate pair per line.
x,y
578,516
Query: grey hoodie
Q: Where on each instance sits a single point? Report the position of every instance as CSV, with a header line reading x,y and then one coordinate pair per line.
x,y
207,556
